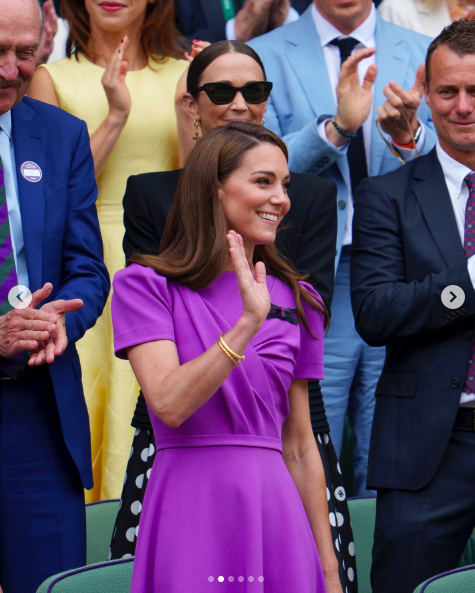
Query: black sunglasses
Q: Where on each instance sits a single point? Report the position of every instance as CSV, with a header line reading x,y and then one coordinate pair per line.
x,y
222,93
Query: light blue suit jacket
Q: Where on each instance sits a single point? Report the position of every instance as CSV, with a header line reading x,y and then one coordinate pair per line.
x,y
302,96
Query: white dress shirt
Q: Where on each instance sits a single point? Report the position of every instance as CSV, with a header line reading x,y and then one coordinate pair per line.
x,y
365,34
7,153
292,16
455,173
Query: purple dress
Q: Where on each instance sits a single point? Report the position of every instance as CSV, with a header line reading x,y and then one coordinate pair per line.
x,y
221,511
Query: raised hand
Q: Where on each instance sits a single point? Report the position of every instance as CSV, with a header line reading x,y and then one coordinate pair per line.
x,y
278,13
113,81
355,99
56,343
24,329
196,48
254,293
252,20
49,31
400,102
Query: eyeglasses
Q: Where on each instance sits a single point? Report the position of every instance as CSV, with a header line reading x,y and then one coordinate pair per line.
x,y
222,93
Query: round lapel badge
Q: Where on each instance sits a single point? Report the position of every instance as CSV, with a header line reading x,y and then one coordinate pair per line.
x,y
31,171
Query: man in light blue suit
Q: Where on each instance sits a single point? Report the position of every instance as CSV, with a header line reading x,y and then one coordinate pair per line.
x,y
330,85
50,244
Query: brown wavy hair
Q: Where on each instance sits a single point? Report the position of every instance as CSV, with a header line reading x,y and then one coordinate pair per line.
x,y
194,249
159,37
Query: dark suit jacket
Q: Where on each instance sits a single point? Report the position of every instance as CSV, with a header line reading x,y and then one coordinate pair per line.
x,y
309,241
63,245
204,19
406,250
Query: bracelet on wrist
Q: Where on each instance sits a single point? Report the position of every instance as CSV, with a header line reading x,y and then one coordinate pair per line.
x,y
229,353
342,132
412,143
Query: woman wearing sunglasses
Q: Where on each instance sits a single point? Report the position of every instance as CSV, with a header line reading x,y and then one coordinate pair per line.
x,y
227,83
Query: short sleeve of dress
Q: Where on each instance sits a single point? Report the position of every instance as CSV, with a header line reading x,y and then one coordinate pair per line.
x,y
141,308
309,360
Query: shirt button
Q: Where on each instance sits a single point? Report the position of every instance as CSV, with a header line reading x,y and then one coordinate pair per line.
x,y
468,334
455,383
341,205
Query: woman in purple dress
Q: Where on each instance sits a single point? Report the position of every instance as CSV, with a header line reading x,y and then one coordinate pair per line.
x,y
236,500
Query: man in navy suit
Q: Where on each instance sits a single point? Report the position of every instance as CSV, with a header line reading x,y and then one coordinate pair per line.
x,y
413,278
50,244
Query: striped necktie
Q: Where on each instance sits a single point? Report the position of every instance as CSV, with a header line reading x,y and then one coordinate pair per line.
x,y
8,278
469,248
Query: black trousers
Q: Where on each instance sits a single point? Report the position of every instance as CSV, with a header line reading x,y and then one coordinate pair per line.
x,y
423,533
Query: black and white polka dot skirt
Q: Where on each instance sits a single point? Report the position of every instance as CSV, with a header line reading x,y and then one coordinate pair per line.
x,y
342,533
142,455
140,463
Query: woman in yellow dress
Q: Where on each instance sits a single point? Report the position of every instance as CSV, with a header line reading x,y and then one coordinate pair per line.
x,y
120,76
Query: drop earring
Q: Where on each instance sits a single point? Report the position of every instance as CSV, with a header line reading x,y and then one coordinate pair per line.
x,y
197,130
264,120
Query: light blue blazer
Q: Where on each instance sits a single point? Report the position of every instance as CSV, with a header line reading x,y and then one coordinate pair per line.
x,y
302,97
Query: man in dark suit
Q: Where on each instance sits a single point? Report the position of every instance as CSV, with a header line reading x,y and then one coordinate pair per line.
x,y
216,20
50,244
412,281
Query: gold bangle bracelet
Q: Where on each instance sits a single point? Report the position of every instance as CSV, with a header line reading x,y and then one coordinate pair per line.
x,y
236,362
236,357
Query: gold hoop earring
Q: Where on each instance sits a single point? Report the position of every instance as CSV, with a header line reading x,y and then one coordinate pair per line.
x,y
197,130
264,120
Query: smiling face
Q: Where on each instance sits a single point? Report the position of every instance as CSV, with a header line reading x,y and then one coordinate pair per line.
x,y
451,97
116,15
254,197
19,37
237,70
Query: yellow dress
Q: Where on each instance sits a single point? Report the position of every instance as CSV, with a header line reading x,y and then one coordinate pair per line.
x,y
147,143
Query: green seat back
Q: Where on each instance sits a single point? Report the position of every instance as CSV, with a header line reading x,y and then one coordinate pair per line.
x,y
100,520
468,557
460,580
108,577
363,515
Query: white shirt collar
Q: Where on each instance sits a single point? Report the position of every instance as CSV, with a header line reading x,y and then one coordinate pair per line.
x,y
327,32
6,123
454,172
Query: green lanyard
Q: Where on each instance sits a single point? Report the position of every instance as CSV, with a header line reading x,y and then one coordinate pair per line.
x,y
228,9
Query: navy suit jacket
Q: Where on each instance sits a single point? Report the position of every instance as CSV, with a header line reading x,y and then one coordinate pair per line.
x,y
406,250
204,19
63,246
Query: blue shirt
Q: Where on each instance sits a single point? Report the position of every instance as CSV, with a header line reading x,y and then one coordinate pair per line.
x,y
7,152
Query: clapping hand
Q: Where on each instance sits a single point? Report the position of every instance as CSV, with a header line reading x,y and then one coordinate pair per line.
x,y
197,47
23,329
254,292
278,13
252,20
50,29
53,345
113,81
401,107
355,99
